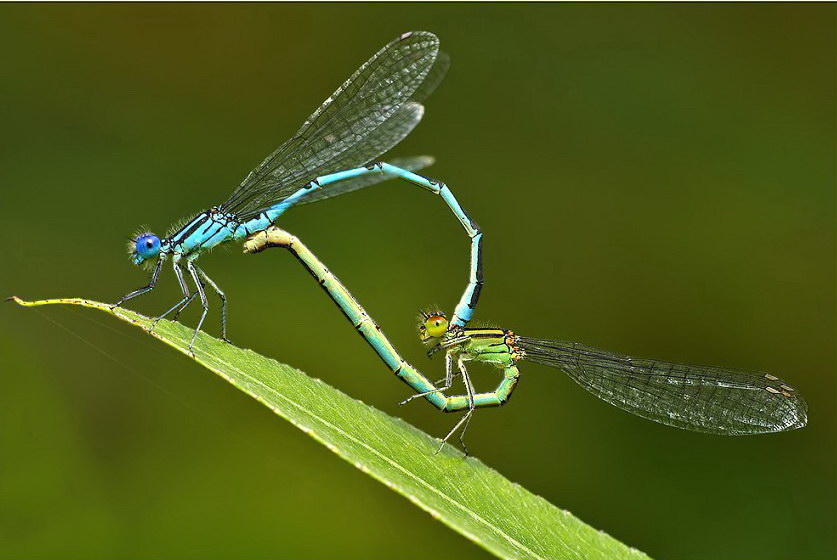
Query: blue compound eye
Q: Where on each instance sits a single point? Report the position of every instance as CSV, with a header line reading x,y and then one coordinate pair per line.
x,y
147,246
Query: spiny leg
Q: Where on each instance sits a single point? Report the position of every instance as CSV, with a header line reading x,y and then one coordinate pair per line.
x,y
147,288
204,303
223,299
466,418
469,387
448,379
443,379
192,296
184,301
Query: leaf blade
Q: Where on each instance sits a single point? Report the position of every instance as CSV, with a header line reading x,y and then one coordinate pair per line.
x,y
466,495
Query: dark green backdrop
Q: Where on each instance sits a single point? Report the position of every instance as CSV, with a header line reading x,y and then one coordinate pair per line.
x,y
652,179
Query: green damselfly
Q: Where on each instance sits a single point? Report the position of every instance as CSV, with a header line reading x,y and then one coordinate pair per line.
x,y
698,398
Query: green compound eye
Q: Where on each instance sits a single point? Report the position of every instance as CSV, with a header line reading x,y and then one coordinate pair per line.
x,y
436,325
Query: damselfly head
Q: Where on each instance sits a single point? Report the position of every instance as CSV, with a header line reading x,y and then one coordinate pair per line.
x,y
434,324
143,247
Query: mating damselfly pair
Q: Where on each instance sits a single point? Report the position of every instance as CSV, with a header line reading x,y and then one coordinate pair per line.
x,y
333,153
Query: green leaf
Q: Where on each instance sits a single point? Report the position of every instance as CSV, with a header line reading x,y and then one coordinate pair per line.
x,y
466,495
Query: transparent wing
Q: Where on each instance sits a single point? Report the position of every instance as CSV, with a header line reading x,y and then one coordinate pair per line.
x,y
434,77
341,134
381,139
698,398
413,163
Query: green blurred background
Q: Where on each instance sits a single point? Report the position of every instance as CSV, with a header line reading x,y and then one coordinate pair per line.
x,y
652,179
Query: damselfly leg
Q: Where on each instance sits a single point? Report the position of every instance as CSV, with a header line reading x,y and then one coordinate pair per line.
x,y
465,421
190,266
187,297
148,287
223,299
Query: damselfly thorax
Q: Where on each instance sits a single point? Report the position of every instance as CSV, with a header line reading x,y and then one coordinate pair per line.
x,y
208,229
490,346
